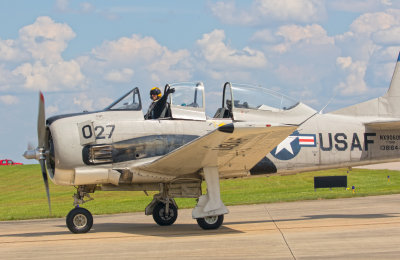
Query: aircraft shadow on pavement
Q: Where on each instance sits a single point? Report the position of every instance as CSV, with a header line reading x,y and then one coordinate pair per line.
x,y
183,230
145,229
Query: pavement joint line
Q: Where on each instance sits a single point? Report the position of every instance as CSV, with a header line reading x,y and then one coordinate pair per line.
x,y
280,231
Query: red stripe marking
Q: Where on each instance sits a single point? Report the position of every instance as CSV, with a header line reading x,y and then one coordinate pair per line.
x,y
307,140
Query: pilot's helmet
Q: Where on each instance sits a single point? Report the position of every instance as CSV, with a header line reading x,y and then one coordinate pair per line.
x,y
155,91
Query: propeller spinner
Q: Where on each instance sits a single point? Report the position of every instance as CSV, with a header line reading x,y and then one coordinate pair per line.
x,y
40,153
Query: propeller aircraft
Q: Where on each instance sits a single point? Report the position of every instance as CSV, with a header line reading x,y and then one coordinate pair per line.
x,y
254,131
173,153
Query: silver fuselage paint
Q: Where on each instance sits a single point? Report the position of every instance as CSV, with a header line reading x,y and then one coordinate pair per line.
x,y
113,127
336,141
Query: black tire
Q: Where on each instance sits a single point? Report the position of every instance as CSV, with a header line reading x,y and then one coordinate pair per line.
x,y
79,220
212,222
161,218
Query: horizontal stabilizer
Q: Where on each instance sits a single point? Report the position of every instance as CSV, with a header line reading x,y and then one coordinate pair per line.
x,y
231,148
384,125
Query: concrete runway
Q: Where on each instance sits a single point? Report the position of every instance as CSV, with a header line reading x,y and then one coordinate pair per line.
x,y
356,228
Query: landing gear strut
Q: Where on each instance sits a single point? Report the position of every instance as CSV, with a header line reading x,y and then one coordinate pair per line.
x,y
80,220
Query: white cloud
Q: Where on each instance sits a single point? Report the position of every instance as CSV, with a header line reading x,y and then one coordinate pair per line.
x,y
344,62
218,55
387,37
360,6
9,100
262,11
45,40
311,34
372,22
52,77
10,52
62,5
119,76
150,60
84,102
51,110
34,59
308,35
87,7
265,36
354,82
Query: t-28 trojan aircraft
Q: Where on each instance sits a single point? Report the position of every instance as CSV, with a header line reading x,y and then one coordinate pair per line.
x,y
118,149
255,130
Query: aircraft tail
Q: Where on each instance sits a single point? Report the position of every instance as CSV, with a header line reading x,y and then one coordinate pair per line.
x,y
386,106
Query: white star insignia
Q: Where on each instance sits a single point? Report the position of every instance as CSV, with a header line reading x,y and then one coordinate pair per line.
x,y
286,144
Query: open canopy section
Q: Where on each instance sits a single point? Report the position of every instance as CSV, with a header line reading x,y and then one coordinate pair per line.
x,y
256,97
187,101
129,101
243,102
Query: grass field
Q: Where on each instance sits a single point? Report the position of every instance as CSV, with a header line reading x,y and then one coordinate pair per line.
x,y
22,193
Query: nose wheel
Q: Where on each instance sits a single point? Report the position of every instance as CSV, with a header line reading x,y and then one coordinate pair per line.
x,y
164,217
79,220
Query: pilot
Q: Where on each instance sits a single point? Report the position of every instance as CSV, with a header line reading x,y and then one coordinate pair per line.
x,y
159,106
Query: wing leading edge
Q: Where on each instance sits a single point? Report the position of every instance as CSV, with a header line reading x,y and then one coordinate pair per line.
x,y
231,148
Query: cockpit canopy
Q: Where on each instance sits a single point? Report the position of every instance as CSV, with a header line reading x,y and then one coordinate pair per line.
x,y
243,102
186,102
240,102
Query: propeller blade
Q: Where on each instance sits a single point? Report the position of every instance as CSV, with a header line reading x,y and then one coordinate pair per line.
x,y
46,182
41,127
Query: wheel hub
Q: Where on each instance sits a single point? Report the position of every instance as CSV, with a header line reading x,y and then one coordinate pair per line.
x,y
211,220
165,216
80,220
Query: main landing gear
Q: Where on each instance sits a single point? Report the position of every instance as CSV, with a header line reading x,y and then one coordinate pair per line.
x,y
164,217
213,222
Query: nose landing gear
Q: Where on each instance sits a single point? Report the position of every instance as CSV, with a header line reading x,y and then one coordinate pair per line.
x,y
79,220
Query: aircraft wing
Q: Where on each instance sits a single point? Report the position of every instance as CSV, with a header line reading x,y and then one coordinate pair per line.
x,y
231,148
384,125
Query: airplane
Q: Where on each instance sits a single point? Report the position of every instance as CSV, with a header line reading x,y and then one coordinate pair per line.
x,y
119,149
255,131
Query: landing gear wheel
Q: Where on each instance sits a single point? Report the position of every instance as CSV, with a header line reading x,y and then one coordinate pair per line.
x,y
212,222
79,220
163,219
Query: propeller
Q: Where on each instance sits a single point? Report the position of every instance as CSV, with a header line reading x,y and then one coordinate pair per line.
x,y
40,153
41,129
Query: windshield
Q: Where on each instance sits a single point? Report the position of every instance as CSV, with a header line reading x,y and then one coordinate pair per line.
x,y
188,94
256,97
129,101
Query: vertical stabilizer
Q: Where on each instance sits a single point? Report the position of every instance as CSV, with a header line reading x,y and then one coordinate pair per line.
x,y
394,89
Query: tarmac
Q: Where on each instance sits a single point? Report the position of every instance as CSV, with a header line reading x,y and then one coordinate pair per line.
x,y
395,166
354,228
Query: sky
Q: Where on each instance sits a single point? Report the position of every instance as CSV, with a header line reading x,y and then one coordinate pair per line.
x,y
85,54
